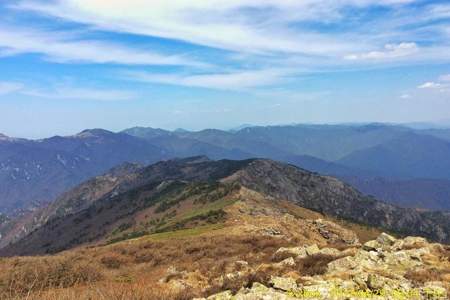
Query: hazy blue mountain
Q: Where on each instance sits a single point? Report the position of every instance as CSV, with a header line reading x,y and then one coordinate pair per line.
x,y
420,193
176,145
328,142
436,132
35,172
409,156
372,151
147,132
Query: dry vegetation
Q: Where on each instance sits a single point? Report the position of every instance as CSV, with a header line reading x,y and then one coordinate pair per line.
x,y
130,270
133,269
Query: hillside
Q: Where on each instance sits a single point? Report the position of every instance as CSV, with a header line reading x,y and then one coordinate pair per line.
x,y
75,200
178,193
217,242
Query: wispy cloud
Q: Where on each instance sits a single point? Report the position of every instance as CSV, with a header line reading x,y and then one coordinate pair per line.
x,y
67,92
430,85
390,51
238,25
9,87
439,11
66,47
287,29
312,35
238,80
441,85
80,93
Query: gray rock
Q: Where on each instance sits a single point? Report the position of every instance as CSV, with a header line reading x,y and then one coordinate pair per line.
x,y
282,283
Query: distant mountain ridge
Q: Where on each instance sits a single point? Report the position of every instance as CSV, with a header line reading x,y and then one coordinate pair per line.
x,y
35,172
429,193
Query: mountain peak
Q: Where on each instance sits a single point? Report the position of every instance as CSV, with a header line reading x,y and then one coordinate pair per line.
x,y
146,132
195,159
96,132
6,138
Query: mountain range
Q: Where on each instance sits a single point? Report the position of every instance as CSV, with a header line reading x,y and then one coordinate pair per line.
x,y
132,201
379,159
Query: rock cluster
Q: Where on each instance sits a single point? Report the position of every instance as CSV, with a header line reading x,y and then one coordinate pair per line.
x,y
385,268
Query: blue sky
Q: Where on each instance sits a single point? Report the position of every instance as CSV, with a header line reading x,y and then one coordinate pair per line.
x,y
67,65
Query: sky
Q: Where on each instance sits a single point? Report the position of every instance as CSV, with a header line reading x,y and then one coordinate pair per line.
x,y
68,65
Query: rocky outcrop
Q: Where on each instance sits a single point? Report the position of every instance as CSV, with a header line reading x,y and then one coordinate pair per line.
x,y
385,268
332,197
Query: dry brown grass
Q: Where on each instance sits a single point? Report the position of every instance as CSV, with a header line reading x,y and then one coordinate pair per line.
x,y
423,275
132,269
23,276
111,291
314,265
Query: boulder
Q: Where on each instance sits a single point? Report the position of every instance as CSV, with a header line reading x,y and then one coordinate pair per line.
x,y
288,262
172,273
335,233
270,231
373,245
330,252
284,253
226,295
360,279
375,282
386,239
349,252
282,283
411,242
342,265
297,252
312,250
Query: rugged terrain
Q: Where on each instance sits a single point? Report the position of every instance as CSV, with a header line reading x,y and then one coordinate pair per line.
x,y
197,228
133,201
255,248
385,268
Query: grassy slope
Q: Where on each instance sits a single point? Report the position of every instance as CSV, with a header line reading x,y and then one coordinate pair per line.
x,y
125,269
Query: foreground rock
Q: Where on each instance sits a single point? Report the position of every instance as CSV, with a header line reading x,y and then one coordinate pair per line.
x,y
385,268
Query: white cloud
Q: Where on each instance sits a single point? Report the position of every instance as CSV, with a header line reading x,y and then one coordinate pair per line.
x,y
430,85
81,93
238,80
9,87
268,33
439,11
390,51
442,84
405,96
69,48
69,92
239,25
